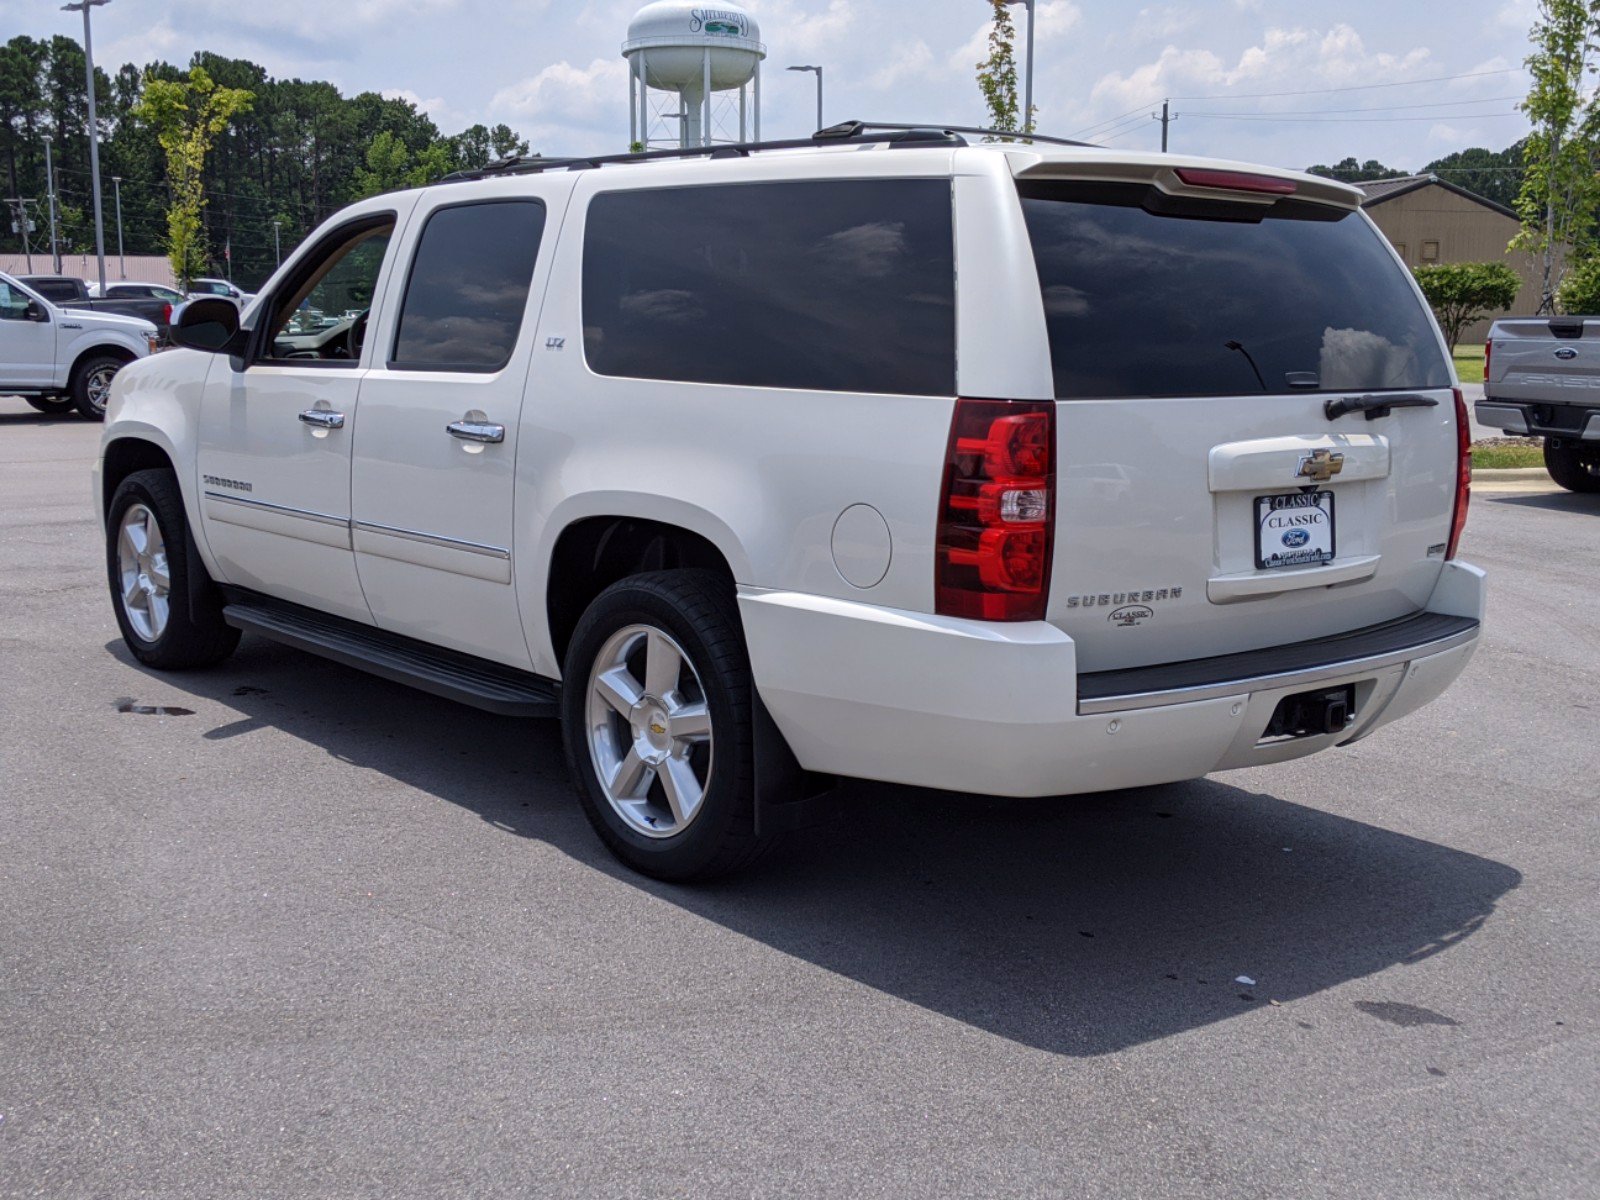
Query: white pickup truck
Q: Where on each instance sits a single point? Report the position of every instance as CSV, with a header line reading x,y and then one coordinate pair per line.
x,y
1541,378
60,358
1019,470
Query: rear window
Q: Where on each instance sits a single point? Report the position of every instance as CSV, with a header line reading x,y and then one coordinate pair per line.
x,y
1219,299
840,286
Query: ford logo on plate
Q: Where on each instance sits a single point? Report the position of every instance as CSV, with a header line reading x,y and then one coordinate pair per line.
x,y
1566,354
1296,538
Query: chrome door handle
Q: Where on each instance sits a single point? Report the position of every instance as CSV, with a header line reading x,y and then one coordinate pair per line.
x,y
321,418
477,431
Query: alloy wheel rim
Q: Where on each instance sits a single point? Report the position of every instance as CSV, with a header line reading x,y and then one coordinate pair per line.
x,y
649,731
142,572
99,386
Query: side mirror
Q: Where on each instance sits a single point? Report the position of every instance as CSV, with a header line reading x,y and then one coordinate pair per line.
x,y
210,324
34,311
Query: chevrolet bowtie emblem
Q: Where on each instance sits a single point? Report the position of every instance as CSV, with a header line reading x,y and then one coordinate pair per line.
x,y
1320,465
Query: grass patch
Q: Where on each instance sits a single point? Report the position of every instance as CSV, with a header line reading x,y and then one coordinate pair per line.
x,y
1469,363
1500,458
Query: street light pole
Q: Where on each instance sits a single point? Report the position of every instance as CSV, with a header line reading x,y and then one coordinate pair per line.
x,y
277,248
818,72
1027,103
122,259
84,6
50,199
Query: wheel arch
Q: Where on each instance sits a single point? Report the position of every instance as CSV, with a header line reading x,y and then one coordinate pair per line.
x,y
109,349
124,455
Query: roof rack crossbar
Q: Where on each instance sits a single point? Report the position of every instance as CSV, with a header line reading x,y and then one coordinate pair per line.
x,y
849,132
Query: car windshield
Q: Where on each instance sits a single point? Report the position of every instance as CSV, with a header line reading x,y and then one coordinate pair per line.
x,y
1148,296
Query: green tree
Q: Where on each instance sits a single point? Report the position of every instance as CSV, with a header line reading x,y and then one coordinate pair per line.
x,y
1462,294
187,118
1560,195
997,74
1580,290
1493,174
1350,170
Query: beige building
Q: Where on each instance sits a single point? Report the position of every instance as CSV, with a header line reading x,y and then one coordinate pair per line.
x,y
1432,221
142,268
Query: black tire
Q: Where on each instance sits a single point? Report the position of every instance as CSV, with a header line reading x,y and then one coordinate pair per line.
x,y
53,406
86,378
1574,467
194,633
697,609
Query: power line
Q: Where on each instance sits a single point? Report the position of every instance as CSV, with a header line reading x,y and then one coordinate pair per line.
x,y
1362,87
1351,120
1382,108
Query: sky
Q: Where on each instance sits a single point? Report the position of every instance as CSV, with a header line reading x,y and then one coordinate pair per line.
x,y
554,71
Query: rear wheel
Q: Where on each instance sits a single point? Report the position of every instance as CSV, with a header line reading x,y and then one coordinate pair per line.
x,y
1574,466
167,623
656,714
54,406
91,385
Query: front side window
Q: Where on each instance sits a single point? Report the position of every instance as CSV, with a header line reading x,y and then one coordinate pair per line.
x,y
469,287
13,303
836,285
1146,295
320,313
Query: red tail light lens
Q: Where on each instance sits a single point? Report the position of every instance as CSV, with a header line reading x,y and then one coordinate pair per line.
x,y
1488,353
1458,520
1237,181
166,315
997,511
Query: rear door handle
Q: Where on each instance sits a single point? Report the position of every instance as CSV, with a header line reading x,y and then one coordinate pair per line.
x,y
477,431
322,418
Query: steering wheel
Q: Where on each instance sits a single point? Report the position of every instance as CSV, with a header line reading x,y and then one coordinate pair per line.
x,y
357,337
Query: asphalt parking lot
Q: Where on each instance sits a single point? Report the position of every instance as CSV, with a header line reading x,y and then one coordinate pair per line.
x,y
310,934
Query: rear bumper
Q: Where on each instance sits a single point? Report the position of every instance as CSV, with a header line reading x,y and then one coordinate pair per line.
x,y
1000,709
1575,421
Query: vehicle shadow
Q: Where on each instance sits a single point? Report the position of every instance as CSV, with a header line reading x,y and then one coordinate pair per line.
x,y
31,417
1553,501
1079,926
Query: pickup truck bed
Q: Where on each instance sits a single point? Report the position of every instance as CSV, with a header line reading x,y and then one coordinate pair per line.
x,y
69,292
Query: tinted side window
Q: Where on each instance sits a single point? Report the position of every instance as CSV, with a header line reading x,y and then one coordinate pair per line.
x,y
55,289
844,286
469,287
13,304
1145,297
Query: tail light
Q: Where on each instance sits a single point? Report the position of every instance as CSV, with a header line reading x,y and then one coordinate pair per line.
x,y
997,511
1488,352
1458,520
166,315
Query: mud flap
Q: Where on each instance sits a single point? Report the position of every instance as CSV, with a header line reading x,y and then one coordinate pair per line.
x,y
787,795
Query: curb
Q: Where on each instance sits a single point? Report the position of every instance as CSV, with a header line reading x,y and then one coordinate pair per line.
x,y
1510,473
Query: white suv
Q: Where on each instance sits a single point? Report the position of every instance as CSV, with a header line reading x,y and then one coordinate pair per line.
x,y
1011,469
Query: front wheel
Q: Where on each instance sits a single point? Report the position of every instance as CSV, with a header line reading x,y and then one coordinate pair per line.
x,y
91,385
167,623
1573,466
656,715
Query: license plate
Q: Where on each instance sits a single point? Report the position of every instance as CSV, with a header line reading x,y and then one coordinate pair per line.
x,y
1294,530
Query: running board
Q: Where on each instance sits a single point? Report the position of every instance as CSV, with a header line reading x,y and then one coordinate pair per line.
x,y
461,677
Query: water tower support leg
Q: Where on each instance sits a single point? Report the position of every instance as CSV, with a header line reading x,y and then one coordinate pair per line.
x,y
758,101
633,107
744,132
705,134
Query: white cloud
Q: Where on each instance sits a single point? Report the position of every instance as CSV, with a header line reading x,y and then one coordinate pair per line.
x,y
562,94
912,61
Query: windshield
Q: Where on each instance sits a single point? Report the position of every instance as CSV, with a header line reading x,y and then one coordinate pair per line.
x,y
1221,299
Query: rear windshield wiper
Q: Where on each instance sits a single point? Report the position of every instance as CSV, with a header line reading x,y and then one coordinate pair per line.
x,y
1380,405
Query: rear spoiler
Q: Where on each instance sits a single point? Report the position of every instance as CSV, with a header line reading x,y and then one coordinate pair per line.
x,y
1164,173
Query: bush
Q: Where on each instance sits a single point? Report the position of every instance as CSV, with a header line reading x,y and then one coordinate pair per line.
x,y
1580,290
1464,293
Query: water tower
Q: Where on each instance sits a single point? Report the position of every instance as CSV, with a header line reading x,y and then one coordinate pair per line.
x,y
685,59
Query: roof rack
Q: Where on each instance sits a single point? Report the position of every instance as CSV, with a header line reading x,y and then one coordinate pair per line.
x,y
849,132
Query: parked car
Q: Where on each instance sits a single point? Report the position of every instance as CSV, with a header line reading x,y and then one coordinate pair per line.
x,y
1541,378
747,468
59,358
220,287
128,289
70,292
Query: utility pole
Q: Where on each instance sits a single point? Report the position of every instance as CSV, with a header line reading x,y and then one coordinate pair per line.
x,y
1027,102
22,225
84,6
1166,118
122,259
50,199
818,72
